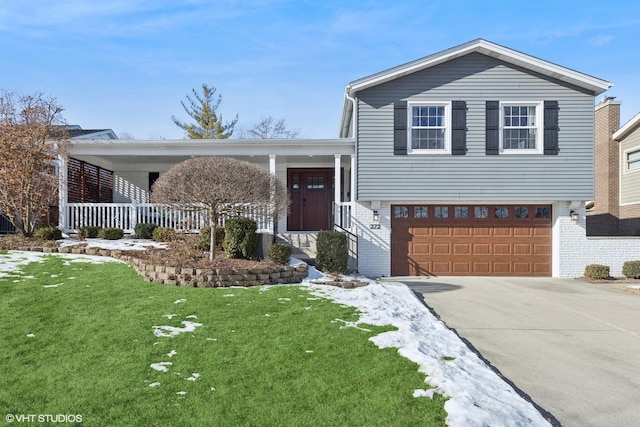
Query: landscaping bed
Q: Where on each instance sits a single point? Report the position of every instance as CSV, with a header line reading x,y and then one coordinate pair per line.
x,y
180,263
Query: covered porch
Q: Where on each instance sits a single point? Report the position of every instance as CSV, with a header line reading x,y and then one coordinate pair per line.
x,y
106,183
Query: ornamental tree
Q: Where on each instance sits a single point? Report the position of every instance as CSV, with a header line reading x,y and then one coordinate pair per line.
x,y
220,186
32,139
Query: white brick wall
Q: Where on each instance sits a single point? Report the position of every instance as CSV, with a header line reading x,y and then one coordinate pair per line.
x,y
577,250
374,246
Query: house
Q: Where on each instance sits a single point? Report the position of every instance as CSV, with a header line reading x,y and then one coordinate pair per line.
x,y
616,207
476,160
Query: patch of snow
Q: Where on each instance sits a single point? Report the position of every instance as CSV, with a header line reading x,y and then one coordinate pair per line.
x,y
192,316
55,275
181,393
212,339
193,376
169,316
172,353
154,384
180,301
213,389
267,315
423,393
52,286
308,308
284,299
633,286
161,366
172,331
308,351
31,335
477,396
122,244
229,295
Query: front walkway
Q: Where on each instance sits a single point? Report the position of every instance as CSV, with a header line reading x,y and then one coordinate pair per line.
x,y
573,347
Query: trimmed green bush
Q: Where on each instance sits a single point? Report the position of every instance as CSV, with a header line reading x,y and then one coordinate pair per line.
x,y
111,233
49,233
596,271
279,253
164,234
204,240
631,269
144,230
240,237
333,254
89,232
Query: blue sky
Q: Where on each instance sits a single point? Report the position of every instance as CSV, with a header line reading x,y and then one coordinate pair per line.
x,y
127,64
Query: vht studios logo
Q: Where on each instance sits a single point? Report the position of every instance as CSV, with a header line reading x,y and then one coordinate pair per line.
x,y
43,418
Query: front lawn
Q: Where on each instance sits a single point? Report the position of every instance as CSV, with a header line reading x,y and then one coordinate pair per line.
x,y
94,339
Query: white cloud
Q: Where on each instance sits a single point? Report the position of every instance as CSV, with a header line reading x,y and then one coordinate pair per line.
x,y
600,40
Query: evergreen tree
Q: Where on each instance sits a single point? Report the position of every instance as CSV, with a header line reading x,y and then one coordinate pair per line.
x,y
208,122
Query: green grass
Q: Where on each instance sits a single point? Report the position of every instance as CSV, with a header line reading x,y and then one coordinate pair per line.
x,y
274,357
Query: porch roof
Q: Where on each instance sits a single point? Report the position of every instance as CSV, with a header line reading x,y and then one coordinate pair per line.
x,y
107,153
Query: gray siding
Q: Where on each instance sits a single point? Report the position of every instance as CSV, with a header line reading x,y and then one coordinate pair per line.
x,y
475,79
629,181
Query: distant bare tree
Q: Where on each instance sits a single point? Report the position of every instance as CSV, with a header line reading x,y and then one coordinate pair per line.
x,y
31,141
219,186
269,128
125,135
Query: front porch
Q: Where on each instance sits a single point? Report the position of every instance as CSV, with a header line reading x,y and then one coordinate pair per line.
x,y
107,183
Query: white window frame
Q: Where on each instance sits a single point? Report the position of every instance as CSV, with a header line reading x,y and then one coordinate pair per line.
x,y
539,127
625,159
447,127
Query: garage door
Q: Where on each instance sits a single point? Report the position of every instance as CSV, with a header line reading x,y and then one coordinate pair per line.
x,y
481,240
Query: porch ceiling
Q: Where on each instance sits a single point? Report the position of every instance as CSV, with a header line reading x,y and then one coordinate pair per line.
x,y
112,153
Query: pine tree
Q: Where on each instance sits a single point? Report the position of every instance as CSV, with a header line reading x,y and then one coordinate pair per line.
x,y
208,122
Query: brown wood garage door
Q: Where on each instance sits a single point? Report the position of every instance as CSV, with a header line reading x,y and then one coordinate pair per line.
x,y
479,240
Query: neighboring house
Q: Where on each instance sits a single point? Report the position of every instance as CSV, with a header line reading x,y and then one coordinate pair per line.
x,y
616,207
476,160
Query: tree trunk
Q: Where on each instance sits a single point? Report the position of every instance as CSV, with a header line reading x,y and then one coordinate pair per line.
x,y
212,241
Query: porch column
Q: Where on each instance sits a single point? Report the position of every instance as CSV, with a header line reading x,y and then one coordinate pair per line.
x,y
272,164
62,193
272,171
337,190
352,181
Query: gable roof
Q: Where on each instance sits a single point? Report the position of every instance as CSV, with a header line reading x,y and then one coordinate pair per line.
x,y
628,127
585,81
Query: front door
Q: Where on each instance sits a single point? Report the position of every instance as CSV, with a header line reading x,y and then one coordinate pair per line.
x,y
311,192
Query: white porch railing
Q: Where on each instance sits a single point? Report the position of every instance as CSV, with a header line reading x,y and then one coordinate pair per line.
x,y
342,214
127,215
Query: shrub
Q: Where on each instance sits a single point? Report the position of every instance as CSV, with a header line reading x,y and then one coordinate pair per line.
x,y
240,237
49,233
144,230
631,269
164,234
111,233
333,255
89,232
204,240
596,271
279,253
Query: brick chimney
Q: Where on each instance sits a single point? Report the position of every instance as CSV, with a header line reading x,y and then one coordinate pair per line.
x,y
603,219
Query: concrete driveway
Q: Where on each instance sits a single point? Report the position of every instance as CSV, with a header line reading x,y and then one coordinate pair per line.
x,y
573,347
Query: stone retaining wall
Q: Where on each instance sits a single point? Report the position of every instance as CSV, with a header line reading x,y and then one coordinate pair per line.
x,y
193,277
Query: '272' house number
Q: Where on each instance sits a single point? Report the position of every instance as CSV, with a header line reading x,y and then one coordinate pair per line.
x,y
374,226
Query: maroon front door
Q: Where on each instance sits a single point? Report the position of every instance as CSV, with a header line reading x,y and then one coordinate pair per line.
x,y
311,192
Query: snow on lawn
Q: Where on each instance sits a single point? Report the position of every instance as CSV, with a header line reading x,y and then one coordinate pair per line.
x,y
122,244
477,395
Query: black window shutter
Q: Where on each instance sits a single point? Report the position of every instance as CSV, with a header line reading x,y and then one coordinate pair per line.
x,y
458,128
400,128
551,128
492,127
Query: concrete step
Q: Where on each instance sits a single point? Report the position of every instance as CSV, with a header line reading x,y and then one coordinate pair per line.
x,y
303,243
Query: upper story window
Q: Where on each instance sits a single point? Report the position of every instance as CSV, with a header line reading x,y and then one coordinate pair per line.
x,y
632,160
521,127
429,128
